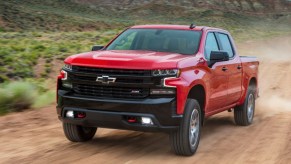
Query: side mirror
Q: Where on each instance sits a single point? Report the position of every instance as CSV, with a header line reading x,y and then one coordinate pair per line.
x,y
96,48
218,56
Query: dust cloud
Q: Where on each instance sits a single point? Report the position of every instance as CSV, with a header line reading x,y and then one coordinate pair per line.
x,y
275,49
274,73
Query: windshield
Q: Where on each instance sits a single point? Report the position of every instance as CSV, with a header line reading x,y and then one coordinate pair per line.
x,y
161,40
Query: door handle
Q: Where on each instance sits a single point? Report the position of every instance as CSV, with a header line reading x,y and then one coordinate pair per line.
x,y
239,67
224,69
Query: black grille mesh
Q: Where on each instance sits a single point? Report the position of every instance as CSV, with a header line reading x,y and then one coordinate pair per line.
x,y
106,91
125,86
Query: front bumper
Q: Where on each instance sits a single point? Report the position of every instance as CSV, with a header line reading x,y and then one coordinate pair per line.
x,y
113,113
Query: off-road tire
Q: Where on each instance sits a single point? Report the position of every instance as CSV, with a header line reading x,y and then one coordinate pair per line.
x,y
77,133
180,139
241,115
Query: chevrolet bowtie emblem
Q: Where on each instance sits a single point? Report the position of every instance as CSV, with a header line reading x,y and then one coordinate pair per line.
x,y
105,79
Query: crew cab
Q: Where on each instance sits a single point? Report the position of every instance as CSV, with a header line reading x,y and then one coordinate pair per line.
x,y
157,78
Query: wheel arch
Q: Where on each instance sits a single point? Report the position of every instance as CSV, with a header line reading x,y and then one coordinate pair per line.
x,y
253,81
254,84
198,93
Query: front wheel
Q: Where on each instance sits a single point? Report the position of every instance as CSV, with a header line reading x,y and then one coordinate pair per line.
x,y
77,133
185,141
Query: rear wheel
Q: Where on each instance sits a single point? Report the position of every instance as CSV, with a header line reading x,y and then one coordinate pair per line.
x,y
244,114
77,133
185,141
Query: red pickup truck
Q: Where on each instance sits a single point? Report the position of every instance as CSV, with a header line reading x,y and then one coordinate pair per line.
x,y
165,78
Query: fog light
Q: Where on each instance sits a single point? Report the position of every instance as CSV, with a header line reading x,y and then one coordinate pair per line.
x,y
70,114
146,121
131,119
81,114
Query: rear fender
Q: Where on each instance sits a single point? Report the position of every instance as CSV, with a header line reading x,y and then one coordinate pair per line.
x,y
245,86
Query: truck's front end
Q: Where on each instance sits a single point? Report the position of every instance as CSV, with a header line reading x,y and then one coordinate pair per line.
x,y
117,98
123,86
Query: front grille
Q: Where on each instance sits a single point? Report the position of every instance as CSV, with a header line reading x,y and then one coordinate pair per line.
x,y
129,84
114,92
108,71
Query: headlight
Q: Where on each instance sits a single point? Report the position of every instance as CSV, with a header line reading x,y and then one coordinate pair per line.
x,y
63,75
165,72
67,67
65,81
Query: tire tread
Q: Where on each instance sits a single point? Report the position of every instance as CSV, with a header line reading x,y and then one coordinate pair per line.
x,y
179,139
75,133
240,113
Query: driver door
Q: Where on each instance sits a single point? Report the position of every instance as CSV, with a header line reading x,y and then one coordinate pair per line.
x,y
218,80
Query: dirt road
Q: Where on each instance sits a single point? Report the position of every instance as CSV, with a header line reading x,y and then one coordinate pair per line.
x,y
37,137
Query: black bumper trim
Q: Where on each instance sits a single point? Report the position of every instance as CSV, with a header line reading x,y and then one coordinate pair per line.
x,y
114,120
110,113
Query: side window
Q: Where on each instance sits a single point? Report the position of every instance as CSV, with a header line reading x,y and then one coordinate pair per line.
x,y
225,44
210,45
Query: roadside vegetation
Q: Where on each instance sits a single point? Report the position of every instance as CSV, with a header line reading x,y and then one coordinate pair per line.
x,y
22,84
20,51
17,96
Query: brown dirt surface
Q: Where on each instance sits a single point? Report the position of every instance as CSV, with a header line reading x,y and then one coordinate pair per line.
x,y
36,136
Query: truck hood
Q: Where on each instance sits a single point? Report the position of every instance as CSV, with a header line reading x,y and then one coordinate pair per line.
x,y
131,59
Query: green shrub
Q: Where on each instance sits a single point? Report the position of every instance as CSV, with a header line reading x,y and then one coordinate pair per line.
x,y
20,95
2,29
4,101
36,34
3,78
39,48
4,52
17,96
47,70
45,99
63,49
18,48
48,60
44,75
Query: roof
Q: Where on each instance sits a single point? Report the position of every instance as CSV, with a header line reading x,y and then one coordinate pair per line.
x,y
174,27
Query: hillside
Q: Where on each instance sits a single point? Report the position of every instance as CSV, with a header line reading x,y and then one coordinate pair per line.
x,y
251,6
79,15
